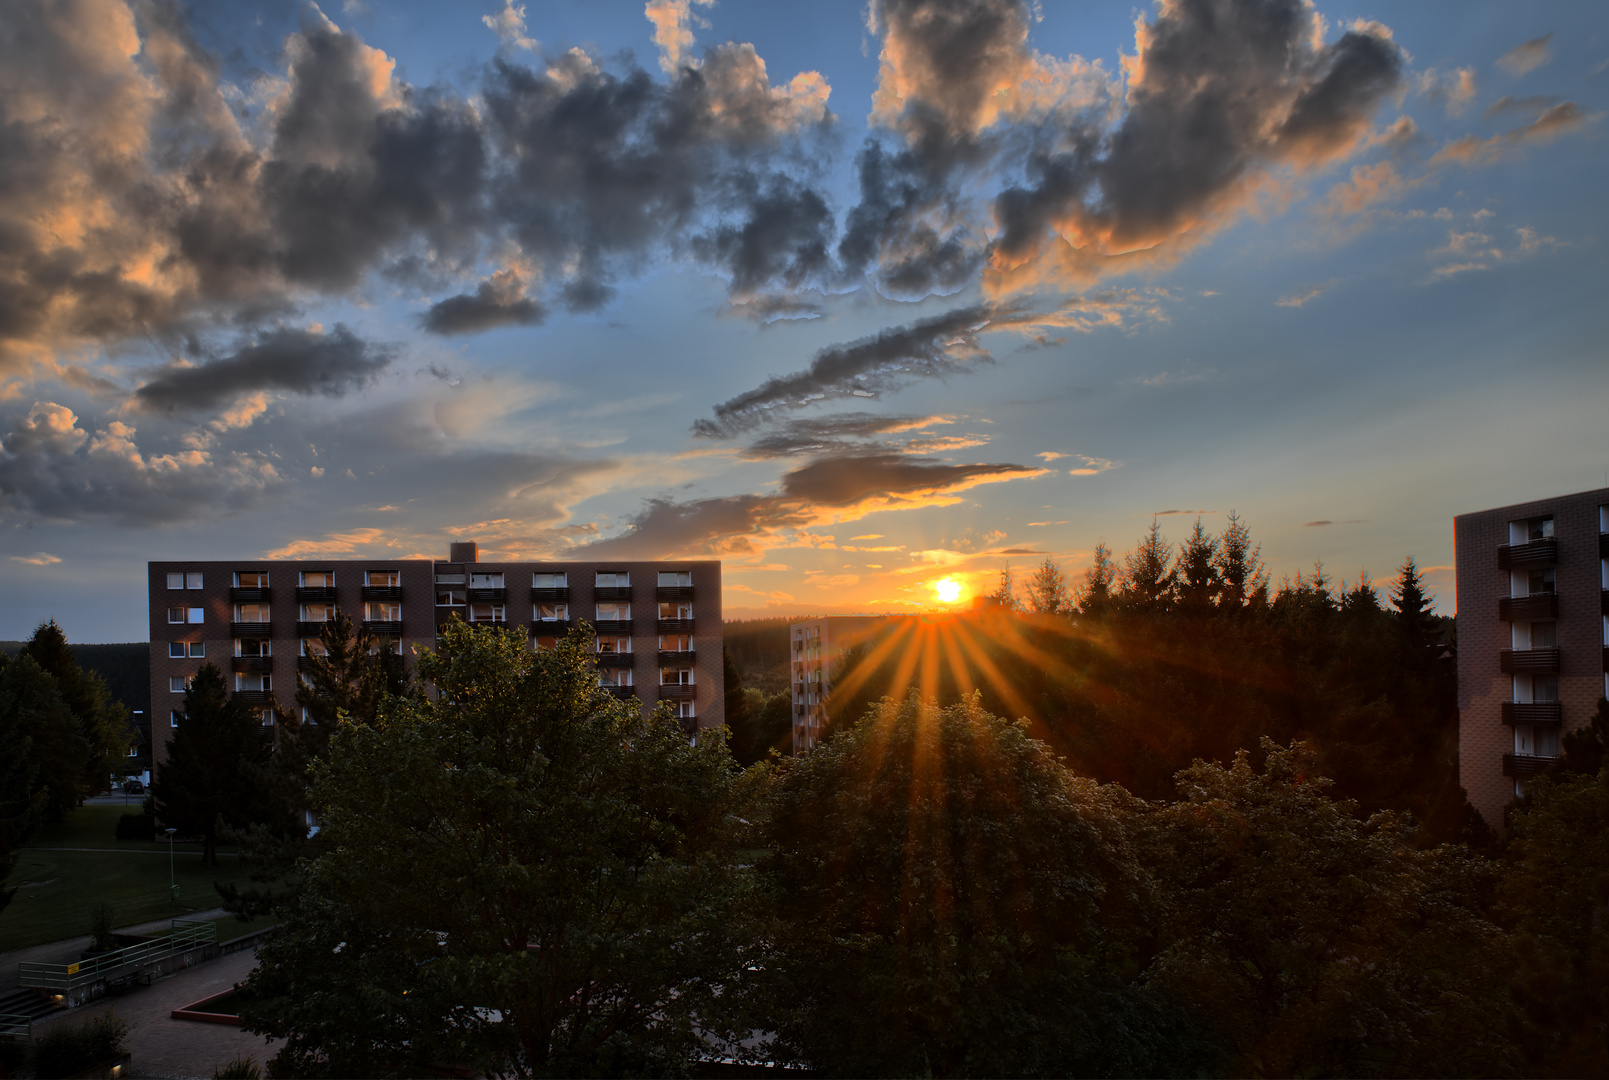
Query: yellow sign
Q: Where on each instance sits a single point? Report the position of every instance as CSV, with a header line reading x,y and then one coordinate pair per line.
x,y
72,969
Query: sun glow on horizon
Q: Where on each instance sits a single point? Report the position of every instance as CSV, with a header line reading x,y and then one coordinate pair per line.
x,y
949,590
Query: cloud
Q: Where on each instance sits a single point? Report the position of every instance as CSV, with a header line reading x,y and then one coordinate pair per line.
x,y
1170,513
53,470
500,300
1527,56
1302,296
1092,466
509,26
1316,524
672,31
839,488
295,361
1455,89
819,435
1535,105
940,345
38,558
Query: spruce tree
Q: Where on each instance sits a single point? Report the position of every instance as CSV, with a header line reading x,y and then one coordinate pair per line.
x,y
1198,582
1240,568
1148,576
1095,596
1416,619
1047,590
103,722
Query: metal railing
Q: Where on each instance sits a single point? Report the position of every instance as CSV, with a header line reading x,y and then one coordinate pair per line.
x,y
17,1025
64,978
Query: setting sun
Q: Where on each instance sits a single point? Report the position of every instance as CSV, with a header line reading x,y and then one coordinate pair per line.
x,y
949,590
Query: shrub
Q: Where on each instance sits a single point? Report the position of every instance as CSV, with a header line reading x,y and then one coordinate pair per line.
x,y
136,827
241,1068
72,1048
100,927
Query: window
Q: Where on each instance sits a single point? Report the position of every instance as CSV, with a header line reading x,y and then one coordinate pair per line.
x,y
550,612
387,579
382,611
549,581
251,579
318,579
1544,635
318,612
449,597
675,643
268,718
612,580
483,613
669,579
1540,528
1543,581
186,615
176,650
676,676
609,643
614,611
253,647
178,684
614,677
486,581
686,710
174,716
254,682
1544,688
449,579
676,610
312,647
251,613
134,751
175,581
544,642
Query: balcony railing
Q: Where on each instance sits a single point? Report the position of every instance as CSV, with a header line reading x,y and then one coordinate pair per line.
x,y
251,630
612,592
550,627
1538,553
316,592
1532,712
255,697
673,659
383,627
1526,608
673,592
1528,661
675,626
304,663
622,691
615,659
488,596
612,626
310,629
677,691
249,664
249,595
382,592
1522,766
550,594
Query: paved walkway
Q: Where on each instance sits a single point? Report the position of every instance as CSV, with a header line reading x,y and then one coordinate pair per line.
x,y
165,1047
65,952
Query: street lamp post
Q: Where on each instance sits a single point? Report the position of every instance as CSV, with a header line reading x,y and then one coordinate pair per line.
x,y
173,880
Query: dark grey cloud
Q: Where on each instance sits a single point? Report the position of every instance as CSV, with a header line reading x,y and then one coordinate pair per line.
x,y
491,305
840,481
941,345
818,435
292,361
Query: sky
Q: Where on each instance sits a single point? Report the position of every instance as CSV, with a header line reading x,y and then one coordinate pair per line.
x,y
854,297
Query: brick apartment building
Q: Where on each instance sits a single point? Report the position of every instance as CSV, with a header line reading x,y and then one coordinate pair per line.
x,y
657,625
814,649
1533,637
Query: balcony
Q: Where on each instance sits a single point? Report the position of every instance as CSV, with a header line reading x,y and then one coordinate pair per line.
x,y
304,663
675,626
258,596
550,594
1526,608
383,627
615,659
612,592
252,664
255,697
621,692
488,596
550,627
325,593
1524,766
1532,712
310,629
673,592
1528,661
612,626
251,630
677,692
676,659
382,592
1535,555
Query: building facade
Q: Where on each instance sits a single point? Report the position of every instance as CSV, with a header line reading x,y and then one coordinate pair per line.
x,y
814,648
1533,638
656,625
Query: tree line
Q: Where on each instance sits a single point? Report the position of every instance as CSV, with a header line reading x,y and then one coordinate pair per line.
x,y
62,737
514,872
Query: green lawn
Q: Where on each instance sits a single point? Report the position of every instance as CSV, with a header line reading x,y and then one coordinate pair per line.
x,y
59,889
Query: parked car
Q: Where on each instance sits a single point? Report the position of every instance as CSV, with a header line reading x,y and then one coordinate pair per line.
x,y
133,787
